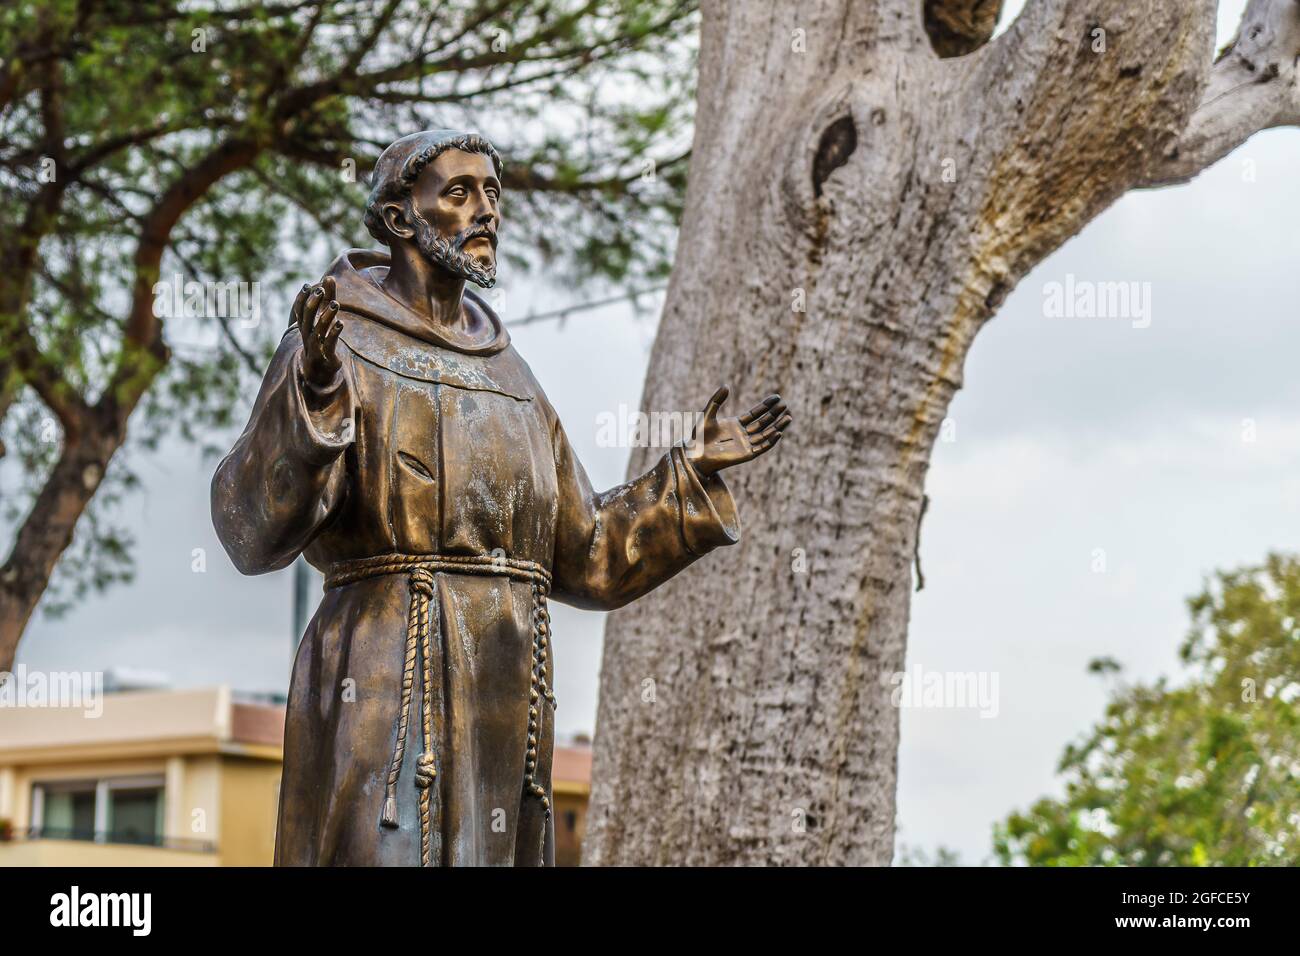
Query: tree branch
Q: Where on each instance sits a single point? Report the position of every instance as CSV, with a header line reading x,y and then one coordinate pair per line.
x,y
19,265
419,66
1062,116
142,334
1253,86
368,42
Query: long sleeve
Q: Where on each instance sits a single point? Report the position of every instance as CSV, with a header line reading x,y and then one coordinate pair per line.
x,y
613,547
285,477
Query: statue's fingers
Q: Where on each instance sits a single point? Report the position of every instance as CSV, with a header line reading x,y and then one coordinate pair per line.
x,y
720,396
765,419
332,337
762,424
776,428
327,287
298,302
309,310
758,409
761,447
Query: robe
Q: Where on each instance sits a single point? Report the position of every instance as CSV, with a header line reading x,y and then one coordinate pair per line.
x,y
428,444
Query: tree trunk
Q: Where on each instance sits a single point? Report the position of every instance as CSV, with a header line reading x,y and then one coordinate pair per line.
x,y
48,528
745,713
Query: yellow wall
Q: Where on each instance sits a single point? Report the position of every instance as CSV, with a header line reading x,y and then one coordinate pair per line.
x,y
83,853
197,812
568,844
8,783
250,791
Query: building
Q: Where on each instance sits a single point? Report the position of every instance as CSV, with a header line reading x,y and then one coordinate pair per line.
x,y
570,792
170,778
175,778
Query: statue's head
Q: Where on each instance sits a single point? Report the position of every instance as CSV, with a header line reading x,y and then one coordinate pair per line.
x,y
438,191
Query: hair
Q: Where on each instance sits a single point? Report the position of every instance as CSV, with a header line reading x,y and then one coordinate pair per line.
x,y
398,188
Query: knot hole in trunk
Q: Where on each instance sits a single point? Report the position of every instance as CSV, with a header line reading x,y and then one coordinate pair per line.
x,y
837,144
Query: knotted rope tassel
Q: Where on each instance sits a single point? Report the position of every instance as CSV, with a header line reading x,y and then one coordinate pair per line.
x,y
425,769
421,568
536,692
417,644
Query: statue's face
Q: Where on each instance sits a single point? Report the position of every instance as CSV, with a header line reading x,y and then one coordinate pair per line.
x,y
454,202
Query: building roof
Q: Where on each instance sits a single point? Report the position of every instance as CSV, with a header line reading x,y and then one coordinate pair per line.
x,y
143,723
571,767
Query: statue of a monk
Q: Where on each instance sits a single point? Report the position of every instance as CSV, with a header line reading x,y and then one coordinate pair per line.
x,y
402,445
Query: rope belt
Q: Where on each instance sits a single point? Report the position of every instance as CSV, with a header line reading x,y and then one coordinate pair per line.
x,y
421,568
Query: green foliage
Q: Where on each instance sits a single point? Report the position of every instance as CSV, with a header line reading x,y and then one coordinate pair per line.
x,y
588,101
1205,772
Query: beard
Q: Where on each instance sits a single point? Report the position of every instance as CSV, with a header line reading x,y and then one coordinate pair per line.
x,y
451,254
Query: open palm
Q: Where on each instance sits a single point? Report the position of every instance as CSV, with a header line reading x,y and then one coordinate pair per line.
x,y
719,443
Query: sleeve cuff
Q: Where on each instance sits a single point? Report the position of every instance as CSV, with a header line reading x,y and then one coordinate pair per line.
x,y
709,518
322,427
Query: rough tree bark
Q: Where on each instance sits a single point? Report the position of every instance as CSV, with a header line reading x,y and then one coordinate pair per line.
x,y
745,708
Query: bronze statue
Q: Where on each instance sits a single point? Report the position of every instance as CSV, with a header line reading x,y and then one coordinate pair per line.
x,y
402,445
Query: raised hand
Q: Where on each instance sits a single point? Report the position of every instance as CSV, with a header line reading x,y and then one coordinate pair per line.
x,y
316,312
720,443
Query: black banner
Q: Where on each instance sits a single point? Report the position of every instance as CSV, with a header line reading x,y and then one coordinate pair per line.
x,y
223,906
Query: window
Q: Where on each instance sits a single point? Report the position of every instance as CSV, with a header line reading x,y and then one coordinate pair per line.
x,y
135,815
69,811
112,810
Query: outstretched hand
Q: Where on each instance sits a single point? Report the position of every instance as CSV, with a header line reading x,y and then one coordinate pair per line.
x,y
719,443
316,312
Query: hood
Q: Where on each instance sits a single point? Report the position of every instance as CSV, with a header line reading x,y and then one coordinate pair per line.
x,y
358,286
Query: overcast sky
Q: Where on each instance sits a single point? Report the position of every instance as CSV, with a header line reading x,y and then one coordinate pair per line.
x,y
1071,435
